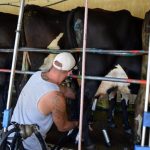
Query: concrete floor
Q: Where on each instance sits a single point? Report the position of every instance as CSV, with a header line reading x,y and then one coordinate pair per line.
x,y
118,138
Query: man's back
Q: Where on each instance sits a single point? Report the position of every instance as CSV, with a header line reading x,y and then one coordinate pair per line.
x,y
27,112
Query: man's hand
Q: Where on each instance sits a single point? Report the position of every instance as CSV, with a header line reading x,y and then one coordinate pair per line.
x,y
68,92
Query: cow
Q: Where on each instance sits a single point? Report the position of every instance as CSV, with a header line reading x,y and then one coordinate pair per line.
x,y
47,24
40,37
8,24
106,30
140,100
111,88
9,39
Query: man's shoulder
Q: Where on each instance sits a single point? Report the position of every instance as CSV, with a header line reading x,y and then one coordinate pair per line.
x,y
48,102
53,96
56,95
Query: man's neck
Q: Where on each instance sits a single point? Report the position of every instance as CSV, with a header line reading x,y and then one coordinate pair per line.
x,y
47,76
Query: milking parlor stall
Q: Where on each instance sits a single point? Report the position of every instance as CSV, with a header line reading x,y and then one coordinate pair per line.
x,y
110,42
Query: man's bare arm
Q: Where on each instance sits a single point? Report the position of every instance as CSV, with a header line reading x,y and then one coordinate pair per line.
x,y
59,113
67,91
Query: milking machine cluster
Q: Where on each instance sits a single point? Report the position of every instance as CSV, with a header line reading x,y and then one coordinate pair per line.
x,y
104,130
12,140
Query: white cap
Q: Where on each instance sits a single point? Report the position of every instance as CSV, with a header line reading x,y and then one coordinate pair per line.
x,y
64,61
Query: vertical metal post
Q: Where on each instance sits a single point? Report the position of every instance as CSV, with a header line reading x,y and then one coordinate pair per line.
x,y
147,95
83,73
12,75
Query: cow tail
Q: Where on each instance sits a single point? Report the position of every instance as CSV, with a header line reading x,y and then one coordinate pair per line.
x,y
71,33
69,30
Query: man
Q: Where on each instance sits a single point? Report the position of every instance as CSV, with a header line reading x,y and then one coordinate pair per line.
x,y
42,101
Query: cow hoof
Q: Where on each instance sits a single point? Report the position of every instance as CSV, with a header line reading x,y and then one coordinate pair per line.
x,y
128,131
111,124
91,147
137,139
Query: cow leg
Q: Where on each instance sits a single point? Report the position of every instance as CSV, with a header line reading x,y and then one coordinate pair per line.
x,y
112,102
139,108
137,129
88,143
3,99
1,106
124,105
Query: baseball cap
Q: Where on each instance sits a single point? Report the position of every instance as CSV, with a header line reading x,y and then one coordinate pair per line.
x,y
64,61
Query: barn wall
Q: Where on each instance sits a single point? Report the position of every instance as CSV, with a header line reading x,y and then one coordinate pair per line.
x,y
136,7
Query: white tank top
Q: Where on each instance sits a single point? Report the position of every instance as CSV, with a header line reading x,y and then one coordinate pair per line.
x,y
26,110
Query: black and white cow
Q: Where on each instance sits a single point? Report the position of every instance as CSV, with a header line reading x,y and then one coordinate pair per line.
x,y
106,30
8,24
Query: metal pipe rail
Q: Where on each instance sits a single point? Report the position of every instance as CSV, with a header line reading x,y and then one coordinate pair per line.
x,y
111,79
135,81
146,99
79,50
7,111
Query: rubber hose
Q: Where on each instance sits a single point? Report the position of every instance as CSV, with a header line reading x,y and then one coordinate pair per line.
x,y
40,138
4,138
